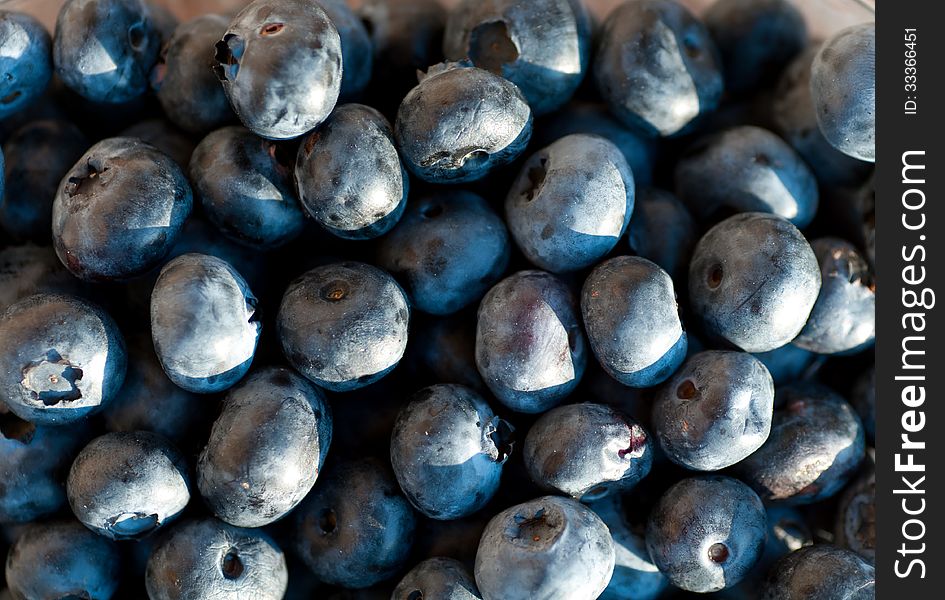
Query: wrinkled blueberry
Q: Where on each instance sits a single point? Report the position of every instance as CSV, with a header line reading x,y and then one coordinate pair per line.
x,y
437,578
25,61
662,230
820,571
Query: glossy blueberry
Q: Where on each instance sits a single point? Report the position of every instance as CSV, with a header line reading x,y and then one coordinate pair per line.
x,y
266,448
119,210
662,230
864,401
542,46
28,269
656,66
715,411
244,184
843,87
62,559
439,578
820,571
355,529
62,359
571,203
787,363
549,547
587,451
530,349
204,323
706,533
448,249
746,169
166,137
183,79
815,446
104,49
756,39
36,157
758,300
357,50
280,65
209,559
25,61
460,123
349,175
344,325
632,321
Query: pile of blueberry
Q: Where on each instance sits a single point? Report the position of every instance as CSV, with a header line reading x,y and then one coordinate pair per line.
x,y
499,302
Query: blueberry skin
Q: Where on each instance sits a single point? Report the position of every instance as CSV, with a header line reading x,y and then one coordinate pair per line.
x,y
843,319
62,559
864,401
706,533
119,210
715,411
204,323
587,451
244,184
25,61
447,449
439,578
357,51
349,175
547,548
746,169
62,359
460,123
757,300
266,448
656,66
207,558
756,39
183,79
280,65
104,49
165,136
448,249
820,571
571,203
815,446
843,87
632,321
530,349
37,155
355,529
787,363
662,230
330,315
542,46
856,518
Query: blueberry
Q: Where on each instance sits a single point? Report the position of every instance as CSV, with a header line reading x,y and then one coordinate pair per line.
x,y
815,446
119,210
37,155
746,169
656,66
787,532
209,559
587,451
355,529
549,547
183,80
280,64
448,249
820,571
632,321
844,317
856,517
662,230
447,449
758,300
62,359
530,349
864,401
349,175
357,50
437,578
460,123
104,49
843,87
62,559
244,184
204,323
266,448
26,64
28,269
165,136
706,533
788,363
344,325
542,46
571,203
